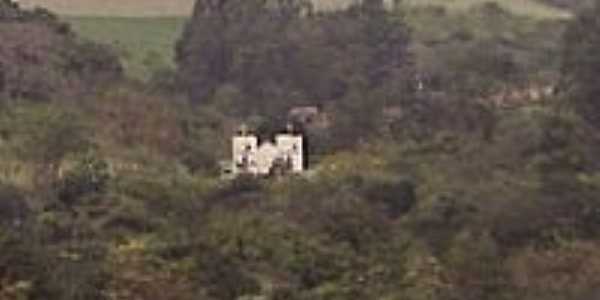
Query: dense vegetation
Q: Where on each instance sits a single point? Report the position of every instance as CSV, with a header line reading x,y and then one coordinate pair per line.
x,y
458,159
40,58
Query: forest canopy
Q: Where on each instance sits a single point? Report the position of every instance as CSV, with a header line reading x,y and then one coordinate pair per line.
x,y
278,54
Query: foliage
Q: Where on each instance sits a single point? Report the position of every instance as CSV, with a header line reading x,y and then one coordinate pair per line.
x,y
493,49
40,58
144,45
284,54
431,194
581,61
89,176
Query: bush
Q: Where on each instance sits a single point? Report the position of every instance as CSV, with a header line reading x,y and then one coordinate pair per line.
x,y
88,177
13,207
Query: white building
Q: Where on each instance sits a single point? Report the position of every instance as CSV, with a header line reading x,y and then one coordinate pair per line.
x,y
252,157
245,148
291,150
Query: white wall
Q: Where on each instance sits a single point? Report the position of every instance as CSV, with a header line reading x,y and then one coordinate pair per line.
x,y
291,146
244,147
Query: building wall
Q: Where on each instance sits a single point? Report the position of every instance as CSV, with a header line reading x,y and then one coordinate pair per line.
x,y
266,155
244,154
291,147
252,158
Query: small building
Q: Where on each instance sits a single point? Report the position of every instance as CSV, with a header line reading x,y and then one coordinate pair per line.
x,y
304,114
309,117
284,154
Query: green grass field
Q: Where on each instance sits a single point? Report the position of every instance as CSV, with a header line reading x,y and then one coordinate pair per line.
x,y
144,44
123,8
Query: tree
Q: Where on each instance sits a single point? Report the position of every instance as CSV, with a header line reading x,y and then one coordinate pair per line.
x,y
226,33
278,54
88,177
581,64
41,58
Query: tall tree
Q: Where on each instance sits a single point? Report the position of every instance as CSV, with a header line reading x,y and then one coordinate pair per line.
x,y
277,54
227,39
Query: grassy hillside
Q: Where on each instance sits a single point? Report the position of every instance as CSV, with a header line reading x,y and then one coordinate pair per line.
x,y
144,44
529,8
115,7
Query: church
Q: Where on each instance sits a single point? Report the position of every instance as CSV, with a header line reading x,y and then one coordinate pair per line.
x,y
284,154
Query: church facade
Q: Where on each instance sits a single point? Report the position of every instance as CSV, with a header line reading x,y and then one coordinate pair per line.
x,y
284,154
